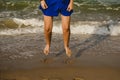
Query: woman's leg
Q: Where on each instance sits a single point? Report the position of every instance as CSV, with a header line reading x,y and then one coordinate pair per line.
x,y
48,24
66,33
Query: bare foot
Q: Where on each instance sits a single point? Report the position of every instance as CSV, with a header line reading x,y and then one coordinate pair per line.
x,y
46,50
68,52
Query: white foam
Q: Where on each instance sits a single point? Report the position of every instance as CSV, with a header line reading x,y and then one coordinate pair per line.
x,y
80,27
20,31
115,30
91,27
77,4
28,22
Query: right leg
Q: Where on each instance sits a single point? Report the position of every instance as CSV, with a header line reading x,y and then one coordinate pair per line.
x,y
48,24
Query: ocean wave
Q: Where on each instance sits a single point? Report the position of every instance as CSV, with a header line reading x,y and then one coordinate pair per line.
x,y
80,27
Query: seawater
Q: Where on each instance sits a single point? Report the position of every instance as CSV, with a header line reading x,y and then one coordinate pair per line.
x,y
89,17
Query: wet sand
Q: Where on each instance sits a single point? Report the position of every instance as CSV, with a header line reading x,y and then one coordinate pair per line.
x,y
95,57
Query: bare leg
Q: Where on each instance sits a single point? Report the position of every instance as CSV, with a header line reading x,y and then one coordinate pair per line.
x,y
48,24
66,33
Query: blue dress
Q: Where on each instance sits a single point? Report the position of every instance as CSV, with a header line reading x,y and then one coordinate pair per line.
x,y
55,7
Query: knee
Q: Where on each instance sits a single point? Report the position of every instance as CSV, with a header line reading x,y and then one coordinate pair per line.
x,y
66,29
48,30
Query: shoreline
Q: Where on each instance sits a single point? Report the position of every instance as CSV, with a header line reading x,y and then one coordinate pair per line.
x,y
95,57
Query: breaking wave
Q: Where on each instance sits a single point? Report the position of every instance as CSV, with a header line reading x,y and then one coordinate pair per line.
x,y
17,26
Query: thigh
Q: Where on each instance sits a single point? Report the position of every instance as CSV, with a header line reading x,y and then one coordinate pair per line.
x,y
48,21
65,21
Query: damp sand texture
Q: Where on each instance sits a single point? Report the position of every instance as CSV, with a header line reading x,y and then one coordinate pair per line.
x,y
95,57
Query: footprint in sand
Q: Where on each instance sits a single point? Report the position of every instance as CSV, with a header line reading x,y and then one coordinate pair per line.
x,y
69,61
47,60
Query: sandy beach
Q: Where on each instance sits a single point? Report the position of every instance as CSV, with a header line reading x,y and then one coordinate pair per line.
x,y
95,42
95,57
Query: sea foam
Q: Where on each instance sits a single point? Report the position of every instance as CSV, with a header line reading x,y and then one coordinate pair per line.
x,y
80,27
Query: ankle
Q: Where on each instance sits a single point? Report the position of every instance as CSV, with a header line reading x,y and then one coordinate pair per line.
x,y
66,47
47,45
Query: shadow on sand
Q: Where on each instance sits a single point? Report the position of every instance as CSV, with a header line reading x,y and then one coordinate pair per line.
x,y
90,42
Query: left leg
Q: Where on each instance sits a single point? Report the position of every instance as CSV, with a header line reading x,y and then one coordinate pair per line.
x,y
66,33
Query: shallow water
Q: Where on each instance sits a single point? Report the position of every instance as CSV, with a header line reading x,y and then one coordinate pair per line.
x,y
100,18
89,17
29,47
94,57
